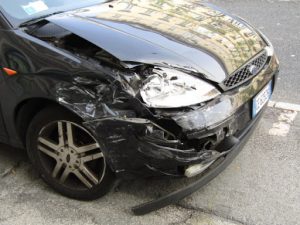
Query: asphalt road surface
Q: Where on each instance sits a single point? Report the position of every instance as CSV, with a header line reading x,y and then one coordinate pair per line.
x,y
260,187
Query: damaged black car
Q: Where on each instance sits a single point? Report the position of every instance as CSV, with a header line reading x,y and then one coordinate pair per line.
x,y
103,90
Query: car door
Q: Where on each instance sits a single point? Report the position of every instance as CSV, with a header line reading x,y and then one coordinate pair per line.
x,y
3,132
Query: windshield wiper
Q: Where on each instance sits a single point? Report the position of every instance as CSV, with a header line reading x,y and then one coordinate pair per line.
x,y
38,19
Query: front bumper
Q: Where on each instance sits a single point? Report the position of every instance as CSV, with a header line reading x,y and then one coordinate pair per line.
x,y
216,168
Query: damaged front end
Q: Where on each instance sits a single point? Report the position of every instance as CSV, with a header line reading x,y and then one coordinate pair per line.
x,y
185,141
142,141
152,119
137,140
137,111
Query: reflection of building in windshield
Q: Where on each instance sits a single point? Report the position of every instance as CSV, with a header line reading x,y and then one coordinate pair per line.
x,y
193,24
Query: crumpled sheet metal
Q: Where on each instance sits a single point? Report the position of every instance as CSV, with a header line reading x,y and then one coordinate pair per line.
x,y
123,142
94,99
115,115
220,109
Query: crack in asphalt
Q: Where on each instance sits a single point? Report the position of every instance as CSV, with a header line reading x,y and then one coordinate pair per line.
x,y
5,219
10,170
184,220
211,212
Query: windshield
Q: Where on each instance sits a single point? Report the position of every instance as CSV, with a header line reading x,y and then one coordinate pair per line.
x,y
20,11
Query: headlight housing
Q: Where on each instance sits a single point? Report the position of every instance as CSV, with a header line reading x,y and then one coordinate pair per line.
x,y
169,88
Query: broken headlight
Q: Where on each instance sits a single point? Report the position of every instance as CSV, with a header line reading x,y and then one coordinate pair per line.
x,y
168,88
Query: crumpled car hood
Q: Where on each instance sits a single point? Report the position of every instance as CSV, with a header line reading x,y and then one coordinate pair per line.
x,y
184,34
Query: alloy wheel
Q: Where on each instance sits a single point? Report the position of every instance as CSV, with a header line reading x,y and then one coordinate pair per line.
x,y
71,155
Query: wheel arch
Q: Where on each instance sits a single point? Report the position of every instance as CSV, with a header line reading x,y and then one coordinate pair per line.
x,y
27,109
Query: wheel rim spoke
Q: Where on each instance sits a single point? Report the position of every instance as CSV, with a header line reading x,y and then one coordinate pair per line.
x,y
92,157
64,175
70,135
48,143
86,148
89,174
47,152
83,179
61,137
56,169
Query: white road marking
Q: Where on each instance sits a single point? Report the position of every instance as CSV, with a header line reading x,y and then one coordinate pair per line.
x,y
284,105
285,119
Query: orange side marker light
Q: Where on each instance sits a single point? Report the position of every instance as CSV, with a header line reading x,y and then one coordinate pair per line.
x,y
9,72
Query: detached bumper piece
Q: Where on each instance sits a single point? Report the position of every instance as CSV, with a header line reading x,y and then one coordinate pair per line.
x,y
215,169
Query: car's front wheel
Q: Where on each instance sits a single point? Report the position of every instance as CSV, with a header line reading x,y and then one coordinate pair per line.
x,y
67,156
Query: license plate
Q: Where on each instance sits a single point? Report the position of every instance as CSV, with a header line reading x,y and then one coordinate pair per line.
x,y
261,99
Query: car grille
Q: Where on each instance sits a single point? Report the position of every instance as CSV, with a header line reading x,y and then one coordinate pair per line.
x,y
249,70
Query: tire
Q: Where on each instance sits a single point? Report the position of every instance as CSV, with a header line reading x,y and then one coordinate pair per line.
x,y
76,172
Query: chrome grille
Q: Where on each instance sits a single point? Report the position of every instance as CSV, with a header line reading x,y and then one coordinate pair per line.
x,y
249,70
